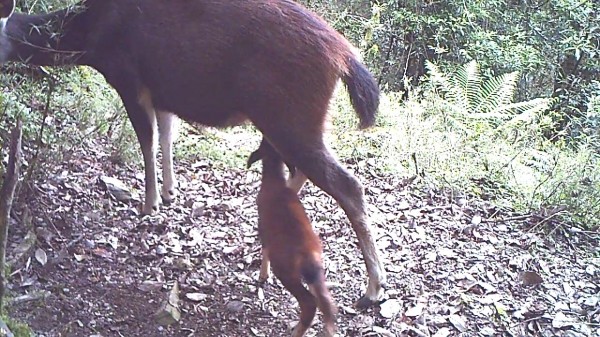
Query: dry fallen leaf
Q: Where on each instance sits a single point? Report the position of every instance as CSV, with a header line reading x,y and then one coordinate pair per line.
x,y
415,311
442,332
500,309
561,321
41,257
196,297
101,252
458,322
592,301
531,278
150,285
390,308
261,294
79,257
382,332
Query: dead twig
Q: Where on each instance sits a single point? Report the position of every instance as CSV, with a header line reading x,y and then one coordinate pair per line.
x,y
514,218
544,220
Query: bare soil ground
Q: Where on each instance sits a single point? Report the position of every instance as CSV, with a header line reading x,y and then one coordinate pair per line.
x,y
458,266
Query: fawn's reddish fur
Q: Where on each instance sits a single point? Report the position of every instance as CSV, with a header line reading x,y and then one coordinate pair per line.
x,y
289,243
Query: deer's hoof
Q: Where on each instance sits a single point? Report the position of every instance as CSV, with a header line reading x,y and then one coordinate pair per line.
x,y
365,302
149,210
168,196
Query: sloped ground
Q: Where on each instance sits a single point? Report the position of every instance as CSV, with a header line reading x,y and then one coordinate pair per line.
x,y
457,266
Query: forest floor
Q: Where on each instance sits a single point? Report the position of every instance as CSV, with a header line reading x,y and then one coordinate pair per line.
x,y
457,265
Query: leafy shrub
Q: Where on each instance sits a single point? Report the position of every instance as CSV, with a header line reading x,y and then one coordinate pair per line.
x,y
470,137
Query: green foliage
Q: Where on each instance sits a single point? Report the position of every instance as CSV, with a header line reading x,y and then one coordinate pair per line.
x,y
471,96
229,148
555,45
18,329
63,110
471,138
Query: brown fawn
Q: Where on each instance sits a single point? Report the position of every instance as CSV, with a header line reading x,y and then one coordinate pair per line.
x,y
289,244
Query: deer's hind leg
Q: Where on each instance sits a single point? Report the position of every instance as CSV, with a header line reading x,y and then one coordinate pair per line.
x,y
300,143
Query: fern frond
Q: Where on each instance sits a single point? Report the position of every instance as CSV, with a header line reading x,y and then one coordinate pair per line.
x,y
537,105
473,85
498,91
471,97
451,86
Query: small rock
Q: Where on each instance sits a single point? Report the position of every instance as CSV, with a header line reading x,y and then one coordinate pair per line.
x,y
41,257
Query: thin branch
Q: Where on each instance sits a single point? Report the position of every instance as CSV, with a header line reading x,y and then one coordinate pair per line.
x,y
414,158
40,141
538,186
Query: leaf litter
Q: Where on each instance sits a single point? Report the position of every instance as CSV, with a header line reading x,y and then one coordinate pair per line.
x,y
455,267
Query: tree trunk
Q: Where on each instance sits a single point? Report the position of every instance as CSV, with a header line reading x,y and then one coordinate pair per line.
x,y
7,194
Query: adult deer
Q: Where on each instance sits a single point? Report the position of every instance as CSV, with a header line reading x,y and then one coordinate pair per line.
x,y
216,63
